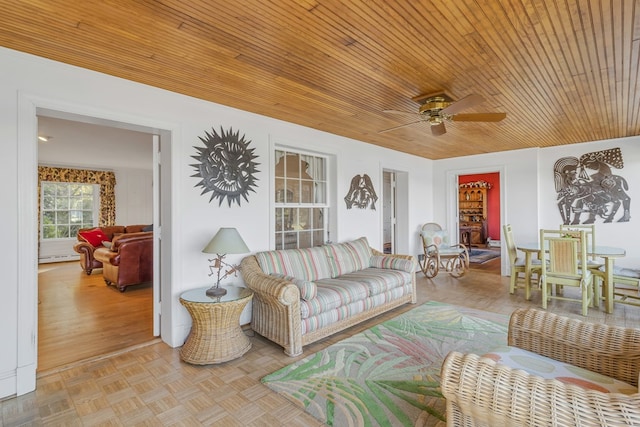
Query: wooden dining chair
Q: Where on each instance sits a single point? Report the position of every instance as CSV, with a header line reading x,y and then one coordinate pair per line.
x,y
590,233
596,267
562,266
626,285
518,267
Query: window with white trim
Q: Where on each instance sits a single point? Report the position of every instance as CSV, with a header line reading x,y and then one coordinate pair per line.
x,y
67,207
301,207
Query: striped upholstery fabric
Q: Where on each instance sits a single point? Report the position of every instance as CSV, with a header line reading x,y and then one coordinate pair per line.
x,y
308,290
326,318
333,293
381,261
330,317
390,295
306,264
340,280
348,257
379,280
342,291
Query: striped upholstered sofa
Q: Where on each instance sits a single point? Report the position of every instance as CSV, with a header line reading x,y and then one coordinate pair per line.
x,y
303,295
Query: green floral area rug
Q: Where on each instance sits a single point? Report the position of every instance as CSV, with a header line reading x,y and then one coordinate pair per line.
x,y
389,375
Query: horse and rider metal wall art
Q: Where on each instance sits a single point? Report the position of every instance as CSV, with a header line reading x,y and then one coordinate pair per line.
x,y
583,196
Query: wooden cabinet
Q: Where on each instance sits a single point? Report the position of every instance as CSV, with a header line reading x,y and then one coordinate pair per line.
x,y
472,210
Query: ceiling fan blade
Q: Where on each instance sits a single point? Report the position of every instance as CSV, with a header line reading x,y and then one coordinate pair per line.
x,y
479,117
466,102
439,129
399,127
401,113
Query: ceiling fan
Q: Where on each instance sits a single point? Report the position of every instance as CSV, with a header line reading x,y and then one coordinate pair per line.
x,y
438,108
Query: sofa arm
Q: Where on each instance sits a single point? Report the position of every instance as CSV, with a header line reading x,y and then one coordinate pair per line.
x,y
613,351
276,307
483,393
404,259
272,287
84,248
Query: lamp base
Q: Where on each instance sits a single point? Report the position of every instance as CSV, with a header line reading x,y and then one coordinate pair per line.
x,y
216,292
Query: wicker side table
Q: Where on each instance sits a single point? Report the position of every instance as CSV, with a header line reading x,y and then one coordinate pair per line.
x,y
216,335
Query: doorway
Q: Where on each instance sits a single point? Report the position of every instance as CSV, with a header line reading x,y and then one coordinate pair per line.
x,y
79,311
29,108
479,209
389,219
452,206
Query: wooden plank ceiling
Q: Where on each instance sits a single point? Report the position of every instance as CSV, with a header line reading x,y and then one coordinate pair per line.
x,y
563,71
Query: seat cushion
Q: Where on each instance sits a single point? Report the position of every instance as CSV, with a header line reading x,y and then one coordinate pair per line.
x,y
548,368
378,280
332,294
631,273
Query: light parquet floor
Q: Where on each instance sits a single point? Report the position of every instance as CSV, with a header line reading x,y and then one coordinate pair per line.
x,y
150,386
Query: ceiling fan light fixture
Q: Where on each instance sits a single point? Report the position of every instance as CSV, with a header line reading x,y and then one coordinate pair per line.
x,y
435,120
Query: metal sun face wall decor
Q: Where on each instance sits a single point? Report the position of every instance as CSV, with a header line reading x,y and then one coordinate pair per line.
x,y
583,197
361,193
226,165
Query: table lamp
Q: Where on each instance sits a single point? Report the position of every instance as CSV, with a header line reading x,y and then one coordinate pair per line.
x,y
226,241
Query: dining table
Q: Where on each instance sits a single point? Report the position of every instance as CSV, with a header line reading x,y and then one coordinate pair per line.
x,y
607,253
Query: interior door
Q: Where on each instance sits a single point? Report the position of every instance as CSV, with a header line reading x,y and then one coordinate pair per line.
x,y
389,221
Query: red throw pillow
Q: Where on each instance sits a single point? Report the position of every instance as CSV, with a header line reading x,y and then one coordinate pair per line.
x,y
94,237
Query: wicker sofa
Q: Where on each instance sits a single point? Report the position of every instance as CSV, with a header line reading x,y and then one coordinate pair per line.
x,y
481,392
303,295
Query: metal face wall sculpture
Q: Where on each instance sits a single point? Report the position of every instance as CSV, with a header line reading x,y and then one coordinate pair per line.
x,y
226,166
361,193
583,197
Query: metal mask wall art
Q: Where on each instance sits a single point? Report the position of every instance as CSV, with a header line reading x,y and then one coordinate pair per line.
x,y
583,197
361,193
226,165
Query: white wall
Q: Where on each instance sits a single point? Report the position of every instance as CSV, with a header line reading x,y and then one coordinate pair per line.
x,y
30,81
529,195
622,234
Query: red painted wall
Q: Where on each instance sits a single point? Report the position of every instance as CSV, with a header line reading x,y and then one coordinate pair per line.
x,y
493,200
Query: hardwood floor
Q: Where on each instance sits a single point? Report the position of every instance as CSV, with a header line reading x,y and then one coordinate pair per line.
x,y
150,385
80,317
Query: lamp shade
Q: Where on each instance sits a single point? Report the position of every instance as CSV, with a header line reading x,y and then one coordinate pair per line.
x,y
226,241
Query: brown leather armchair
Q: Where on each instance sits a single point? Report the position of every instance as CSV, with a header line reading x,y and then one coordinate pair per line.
x,y
129,261
86,249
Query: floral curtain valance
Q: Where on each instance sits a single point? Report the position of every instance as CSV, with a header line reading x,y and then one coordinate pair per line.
x,y
106,180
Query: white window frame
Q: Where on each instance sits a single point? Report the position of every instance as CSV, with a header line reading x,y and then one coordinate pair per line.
x,y
289,230
72,234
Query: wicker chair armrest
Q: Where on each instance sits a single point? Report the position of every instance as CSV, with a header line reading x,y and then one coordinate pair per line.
x,y
270,287
480,392
613,351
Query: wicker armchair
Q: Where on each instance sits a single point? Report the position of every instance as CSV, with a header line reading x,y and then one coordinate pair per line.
x,y
480,392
